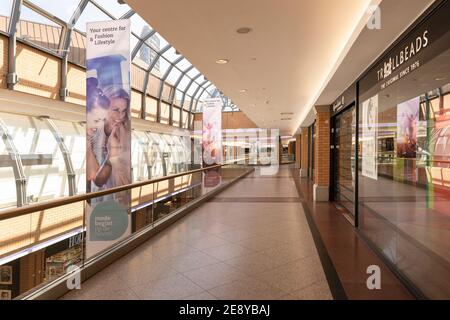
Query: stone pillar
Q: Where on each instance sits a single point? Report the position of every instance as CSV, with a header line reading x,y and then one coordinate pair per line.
x,y
321,189
304,152
297,151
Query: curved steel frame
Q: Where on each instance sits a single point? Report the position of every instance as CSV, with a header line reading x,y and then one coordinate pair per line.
x,y
64,47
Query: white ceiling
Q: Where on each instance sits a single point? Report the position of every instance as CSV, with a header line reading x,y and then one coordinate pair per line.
x,y
285,63
396,17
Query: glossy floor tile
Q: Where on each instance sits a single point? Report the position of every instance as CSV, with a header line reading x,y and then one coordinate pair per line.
x,y
257,248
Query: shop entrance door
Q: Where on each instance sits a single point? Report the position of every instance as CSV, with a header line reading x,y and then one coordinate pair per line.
x,y
343,165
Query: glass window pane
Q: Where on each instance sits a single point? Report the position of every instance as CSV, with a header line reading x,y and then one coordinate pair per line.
x,y
74,136
60,9
200,79
5,13
173,76
77,50
171,55
178,96
133,42
193,72
192,88
90,13
139,150
144,56
154,43
32,137
161,41
183,83
113,7
183,64
38,29
163,65
138,25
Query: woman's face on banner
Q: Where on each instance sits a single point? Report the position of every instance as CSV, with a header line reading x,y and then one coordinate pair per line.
x,y
97,118
118,110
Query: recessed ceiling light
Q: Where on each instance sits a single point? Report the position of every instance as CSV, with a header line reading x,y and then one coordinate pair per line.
x,y
222,61
243,30
439,79
243,90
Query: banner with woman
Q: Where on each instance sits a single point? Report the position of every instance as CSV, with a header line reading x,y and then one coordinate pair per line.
x,y
108,132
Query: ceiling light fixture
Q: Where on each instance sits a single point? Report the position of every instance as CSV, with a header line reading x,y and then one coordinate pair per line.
x,y
222,61
243,90
243,30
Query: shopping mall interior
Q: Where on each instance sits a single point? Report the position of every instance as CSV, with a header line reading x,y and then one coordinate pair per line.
x,y
225,150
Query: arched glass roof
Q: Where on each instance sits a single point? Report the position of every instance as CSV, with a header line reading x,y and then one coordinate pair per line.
x,y
63,33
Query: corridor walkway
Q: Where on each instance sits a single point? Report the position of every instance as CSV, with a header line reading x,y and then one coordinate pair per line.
x,y
252,241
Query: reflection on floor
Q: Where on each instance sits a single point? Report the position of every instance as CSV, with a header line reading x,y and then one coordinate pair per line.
x,y
250,242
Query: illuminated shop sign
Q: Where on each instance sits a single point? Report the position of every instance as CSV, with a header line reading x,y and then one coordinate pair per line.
x,y
406,53
422,44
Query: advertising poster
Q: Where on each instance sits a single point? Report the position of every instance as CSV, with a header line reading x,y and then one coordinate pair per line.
x,y
369,137
212,132
407,126
212,141
108,132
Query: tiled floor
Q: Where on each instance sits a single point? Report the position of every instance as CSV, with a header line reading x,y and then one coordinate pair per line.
x,y
250,242
350,255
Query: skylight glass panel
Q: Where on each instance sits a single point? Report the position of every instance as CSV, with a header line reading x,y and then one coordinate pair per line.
x,y
113,7
183,64
27,14
5,11
193,72
173,76
90,14
139,26
60,9
183,83
192,89
171,55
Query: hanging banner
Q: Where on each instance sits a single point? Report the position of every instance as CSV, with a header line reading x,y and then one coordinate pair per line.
x,y
212,132
369,138
108,132
212,141
407,126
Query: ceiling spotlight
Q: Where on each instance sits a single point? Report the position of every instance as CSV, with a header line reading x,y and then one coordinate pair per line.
x,y
243,30
222,61
243,90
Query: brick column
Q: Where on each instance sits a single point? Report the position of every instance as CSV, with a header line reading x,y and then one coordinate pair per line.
x,y
297,151
304,153
322,154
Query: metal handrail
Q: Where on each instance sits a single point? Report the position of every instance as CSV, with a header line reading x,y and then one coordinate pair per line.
x,y
20,211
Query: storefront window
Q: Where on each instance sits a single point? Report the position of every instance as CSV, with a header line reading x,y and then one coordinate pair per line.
x,y
404,150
